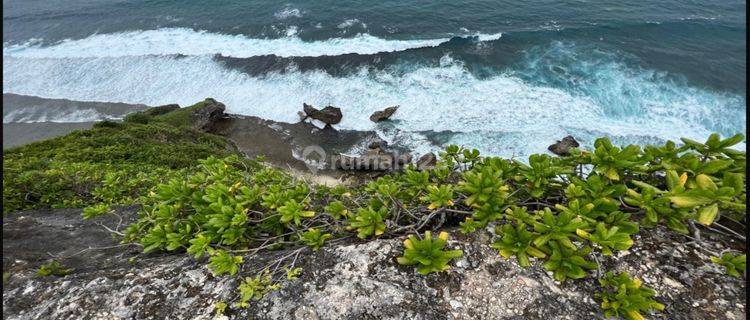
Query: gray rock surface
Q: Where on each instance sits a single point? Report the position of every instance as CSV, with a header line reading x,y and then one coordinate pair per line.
x,y
352,279
206,116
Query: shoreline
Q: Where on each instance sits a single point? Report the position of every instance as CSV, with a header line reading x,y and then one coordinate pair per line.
x,y
282,146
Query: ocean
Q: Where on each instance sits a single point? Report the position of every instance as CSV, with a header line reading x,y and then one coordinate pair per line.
x,y
506,77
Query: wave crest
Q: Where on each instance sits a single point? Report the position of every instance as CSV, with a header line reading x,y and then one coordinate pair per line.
x,y
170,41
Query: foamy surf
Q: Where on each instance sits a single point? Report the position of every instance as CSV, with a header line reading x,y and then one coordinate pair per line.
x,y
503,114
170,41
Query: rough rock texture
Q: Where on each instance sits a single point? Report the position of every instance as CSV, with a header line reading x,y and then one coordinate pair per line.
x,y
205,116
426,161
328,115
349,280
562,147
384,114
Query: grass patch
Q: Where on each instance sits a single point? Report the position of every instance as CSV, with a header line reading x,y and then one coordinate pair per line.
x,y
112,163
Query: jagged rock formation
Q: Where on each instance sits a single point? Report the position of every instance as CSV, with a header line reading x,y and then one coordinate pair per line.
x,y
328,115
351,279
562,147
384,114
205,116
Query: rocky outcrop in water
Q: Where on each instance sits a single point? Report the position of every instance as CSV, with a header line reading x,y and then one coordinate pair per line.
x,y
328,115
353,279
384,114
562,147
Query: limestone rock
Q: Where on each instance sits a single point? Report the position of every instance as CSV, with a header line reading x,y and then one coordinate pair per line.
x,y
353,279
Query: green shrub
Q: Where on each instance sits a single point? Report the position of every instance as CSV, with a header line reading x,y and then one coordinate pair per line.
x,y
568,263
428,254
622,296
200,198
255,288
734,265
107,164
517,242
137,118
368,222
107,124
222,262
53,268
314,238
294,211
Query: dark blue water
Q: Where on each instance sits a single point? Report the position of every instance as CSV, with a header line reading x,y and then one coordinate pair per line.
x,y
507,76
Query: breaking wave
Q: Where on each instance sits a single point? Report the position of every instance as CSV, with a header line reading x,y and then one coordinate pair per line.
x,y
184,41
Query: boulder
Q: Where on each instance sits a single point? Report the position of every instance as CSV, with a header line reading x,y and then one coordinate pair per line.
x,y
328,115
206,114
384,114
426,161
349,279
562,147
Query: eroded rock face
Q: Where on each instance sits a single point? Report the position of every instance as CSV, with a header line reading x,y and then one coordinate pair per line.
x,y
328,115
562,147
349,280
205,116
384,114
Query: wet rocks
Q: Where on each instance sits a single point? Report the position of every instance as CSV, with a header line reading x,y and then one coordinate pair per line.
x,y
207,113
328,115
384,114
562,147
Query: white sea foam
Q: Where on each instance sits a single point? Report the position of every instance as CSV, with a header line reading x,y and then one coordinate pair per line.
x,y
288,12
349,23
31,115
502,114
169,41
